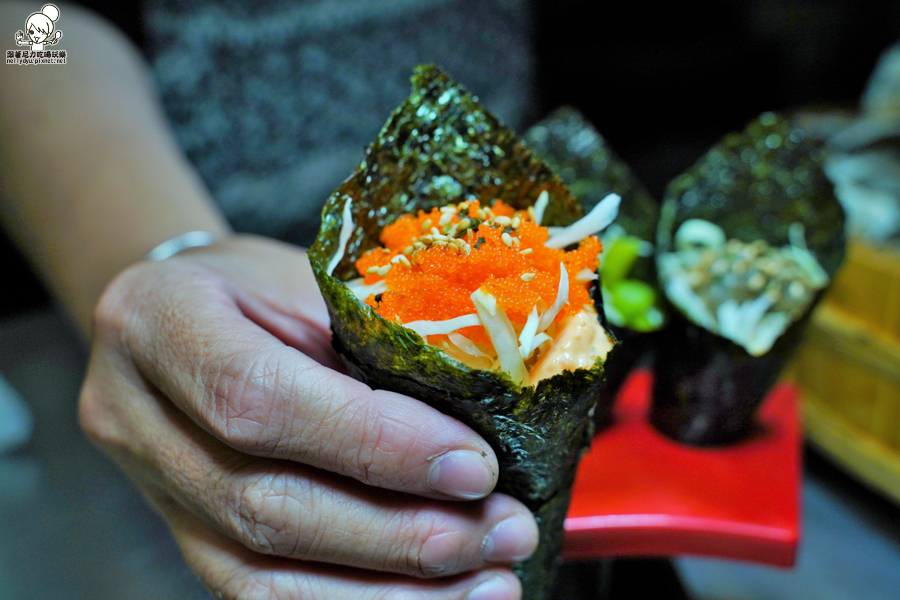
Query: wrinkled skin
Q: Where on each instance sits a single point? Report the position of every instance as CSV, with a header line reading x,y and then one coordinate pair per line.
x,y
212,383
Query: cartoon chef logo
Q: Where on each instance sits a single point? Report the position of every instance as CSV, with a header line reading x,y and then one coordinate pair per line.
x,y
39,29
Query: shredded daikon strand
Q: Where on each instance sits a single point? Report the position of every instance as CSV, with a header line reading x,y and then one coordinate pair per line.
x,y
586,275
540,339
540,206
595,221
424,328
805,258
466,345
562,297
343,238
698,232
526,338
362,291
503,336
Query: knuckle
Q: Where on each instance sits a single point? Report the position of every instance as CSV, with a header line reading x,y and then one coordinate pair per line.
x,y
361,455
264,517
383,450
93,416
99,415
242,387
432,549
232,583
118,304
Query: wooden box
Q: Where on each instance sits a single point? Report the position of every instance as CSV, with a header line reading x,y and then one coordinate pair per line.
x,y
849,368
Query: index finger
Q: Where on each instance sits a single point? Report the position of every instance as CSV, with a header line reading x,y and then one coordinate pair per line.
x,y
259,396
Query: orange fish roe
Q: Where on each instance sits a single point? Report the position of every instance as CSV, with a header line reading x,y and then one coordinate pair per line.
x,y
471,249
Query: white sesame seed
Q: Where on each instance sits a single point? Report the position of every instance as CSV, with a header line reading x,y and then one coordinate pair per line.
x,y
385,251
464,224
384,270
426,224
404,261
446,218
502,220
526,251
371,270
448,209
409,250
515,242
516,222
528,276
435,231
506,240
441,243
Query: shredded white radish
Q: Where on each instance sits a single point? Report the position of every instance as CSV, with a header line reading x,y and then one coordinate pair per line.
x,y
424,328
586,275
540,206
503,336
466,345
540,339
343,238
562,297
697,232
362,291
526,337
804,257
595,221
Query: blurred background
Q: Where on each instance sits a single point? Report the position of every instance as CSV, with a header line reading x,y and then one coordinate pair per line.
x,y
662,83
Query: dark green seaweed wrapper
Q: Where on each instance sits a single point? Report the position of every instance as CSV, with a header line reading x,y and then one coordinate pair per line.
x,y
586,163
754,185
439,147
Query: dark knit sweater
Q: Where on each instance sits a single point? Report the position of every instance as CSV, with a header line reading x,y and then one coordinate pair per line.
x,y
274,101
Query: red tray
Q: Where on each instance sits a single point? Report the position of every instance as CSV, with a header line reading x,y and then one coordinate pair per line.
x,y
638,493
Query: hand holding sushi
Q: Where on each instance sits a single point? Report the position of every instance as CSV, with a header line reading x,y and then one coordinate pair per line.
x,y
213,384
211,379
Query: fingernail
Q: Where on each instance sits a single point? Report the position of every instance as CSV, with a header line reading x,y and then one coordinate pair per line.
x,y
462,474
495,588
511,540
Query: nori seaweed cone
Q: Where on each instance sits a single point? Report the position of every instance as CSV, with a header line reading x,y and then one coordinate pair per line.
x,y
754,185
587,164
441,146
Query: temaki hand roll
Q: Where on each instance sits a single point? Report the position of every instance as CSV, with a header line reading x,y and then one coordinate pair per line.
x,y
443,284
749,239
631,299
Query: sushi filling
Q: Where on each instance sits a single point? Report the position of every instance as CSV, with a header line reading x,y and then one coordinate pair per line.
x,y
483,284
747,292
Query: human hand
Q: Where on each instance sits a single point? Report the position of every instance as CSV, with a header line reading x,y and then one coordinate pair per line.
x,y
213,384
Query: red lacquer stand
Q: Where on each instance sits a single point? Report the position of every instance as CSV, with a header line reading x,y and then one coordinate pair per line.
x,y
638,493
